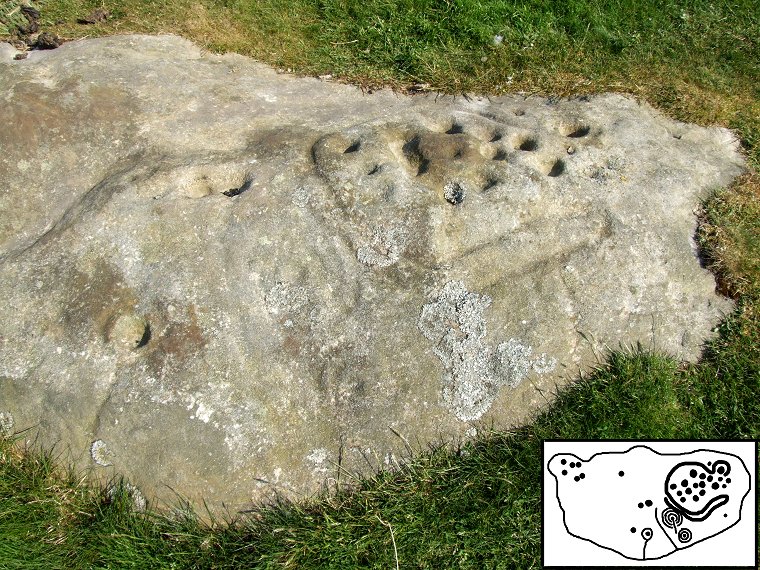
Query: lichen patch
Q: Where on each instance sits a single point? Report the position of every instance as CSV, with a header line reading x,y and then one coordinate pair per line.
x,y
473,372
6,424
100,453
385,249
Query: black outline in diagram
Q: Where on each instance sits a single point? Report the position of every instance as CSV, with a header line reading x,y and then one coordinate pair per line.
x,y
694,490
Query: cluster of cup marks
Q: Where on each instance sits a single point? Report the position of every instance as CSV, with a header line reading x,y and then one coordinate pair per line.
x,y
670,517
454,192
573,465
697,488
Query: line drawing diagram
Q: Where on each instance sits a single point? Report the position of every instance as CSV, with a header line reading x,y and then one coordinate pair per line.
x,y
646,505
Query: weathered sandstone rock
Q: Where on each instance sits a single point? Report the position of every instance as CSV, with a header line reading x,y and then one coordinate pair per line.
x,y
217,279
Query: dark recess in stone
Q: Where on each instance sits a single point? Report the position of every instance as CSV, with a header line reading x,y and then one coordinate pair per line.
x,y
413,154
232,192
490,183
456,129
353,148
557,168
145,337
579,132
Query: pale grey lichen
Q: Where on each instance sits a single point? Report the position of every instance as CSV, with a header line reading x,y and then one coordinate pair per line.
x,y
138,499
301,197
512,361
318,459
455,324
612,168
385,249
473,373
100,453
544,364
6,424
285,298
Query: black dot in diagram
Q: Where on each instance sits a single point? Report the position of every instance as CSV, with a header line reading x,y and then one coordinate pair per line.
x,y
645,505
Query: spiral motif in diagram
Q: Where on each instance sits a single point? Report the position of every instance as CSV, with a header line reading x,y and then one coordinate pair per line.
x,y
671,518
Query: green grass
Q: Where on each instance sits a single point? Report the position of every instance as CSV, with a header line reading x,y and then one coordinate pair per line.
x,y
478,506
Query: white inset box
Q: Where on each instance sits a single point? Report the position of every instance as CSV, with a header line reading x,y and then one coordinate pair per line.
x,y
650,503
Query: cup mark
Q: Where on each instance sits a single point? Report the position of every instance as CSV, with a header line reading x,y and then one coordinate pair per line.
x,y
556,168
355,146
575,130
528,144
456,129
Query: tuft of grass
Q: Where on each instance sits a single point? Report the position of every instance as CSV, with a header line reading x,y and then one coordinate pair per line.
x,y
38,502
729,235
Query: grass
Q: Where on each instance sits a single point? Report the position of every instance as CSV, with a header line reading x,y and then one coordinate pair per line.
x,y
478,506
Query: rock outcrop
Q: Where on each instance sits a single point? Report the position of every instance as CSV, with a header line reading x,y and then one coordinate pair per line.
x,y
219,280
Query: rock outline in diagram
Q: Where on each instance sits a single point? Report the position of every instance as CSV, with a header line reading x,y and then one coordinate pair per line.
x,y
672,517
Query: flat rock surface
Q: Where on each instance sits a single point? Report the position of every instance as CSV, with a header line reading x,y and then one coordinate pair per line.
x,y
220,280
